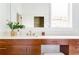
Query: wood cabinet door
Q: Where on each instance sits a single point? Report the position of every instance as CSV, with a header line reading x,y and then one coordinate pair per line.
x,y
76,47
36,50
72,44
4,47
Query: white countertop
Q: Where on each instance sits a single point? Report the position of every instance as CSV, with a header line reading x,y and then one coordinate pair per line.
x,y
40,37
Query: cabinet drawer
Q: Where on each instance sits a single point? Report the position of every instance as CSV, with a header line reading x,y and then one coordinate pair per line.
x,y
13,50
64,42
4,42
4,50
26,42
50,41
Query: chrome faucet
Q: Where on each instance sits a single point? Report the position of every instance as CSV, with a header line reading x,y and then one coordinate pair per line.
x,y
30,33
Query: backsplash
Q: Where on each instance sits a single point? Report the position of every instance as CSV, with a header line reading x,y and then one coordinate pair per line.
x,y
38,32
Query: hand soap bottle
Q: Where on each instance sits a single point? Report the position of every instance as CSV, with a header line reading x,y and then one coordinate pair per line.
x,y
43,33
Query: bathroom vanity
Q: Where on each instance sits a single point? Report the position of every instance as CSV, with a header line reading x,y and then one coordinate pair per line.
x,y
32,45
20,47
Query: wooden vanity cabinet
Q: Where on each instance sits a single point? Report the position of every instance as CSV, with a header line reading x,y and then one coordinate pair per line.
x,y
74,47
33,46
20,47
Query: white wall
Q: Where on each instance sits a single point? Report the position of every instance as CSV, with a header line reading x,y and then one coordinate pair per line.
x,y
4,16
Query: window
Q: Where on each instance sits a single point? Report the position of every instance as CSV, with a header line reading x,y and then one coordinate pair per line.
x,y
61,15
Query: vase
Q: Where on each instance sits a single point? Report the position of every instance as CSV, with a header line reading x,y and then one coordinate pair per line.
x,y
13,33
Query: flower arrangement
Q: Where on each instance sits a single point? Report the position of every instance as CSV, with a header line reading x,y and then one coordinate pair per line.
x,y
13,26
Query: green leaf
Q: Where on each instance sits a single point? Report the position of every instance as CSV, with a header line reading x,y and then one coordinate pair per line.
x,y
15,25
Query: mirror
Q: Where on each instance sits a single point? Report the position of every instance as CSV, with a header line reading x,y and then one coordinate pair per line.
x,y
32,15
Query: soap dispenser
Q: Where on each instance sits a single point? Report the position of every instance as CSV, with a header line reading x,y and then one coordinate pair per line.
x,y
43,33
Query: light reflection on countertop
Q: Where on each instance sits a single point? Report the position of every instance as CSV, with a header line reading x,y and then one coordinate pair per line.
x,y
39,37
